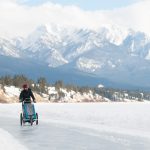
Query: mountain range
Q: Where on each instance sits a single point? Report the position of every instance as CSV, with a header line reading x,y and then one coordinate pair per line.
x,y
110,55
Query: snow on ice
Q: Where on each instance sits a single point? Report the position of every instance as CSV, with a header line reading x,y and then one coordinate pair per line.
x,y
8,142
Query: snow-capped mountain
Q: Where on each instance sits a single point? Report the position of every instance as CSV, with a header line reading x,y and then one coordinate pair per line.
x,y
65,45
110,52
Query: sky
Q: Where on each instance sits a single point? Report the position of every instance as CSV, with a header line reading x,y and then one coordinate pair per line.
x,y
21,17
86,4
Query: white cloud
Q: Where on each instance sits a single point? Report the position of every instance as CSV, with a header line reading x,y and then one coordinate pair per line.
x,y
135,16
20,20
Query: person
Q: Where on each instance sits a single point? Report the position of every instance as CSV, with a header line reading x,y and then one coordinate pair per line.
x,y
26,95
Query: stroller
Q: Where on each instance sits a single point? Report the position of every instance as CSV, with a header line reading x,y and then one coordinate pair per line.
x,y
28,114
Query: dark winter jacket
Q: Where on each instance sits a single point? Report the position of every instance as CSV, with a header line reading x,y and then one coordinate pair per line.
x,y
26,95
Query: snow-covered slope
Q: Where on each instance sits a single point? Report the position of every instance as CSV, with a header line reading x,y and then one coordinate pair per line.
x,y
68,94
7,141
8,49
10,94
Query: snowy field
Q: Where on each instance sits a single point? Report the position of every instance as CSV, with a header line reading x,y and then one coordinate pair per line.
x,y
82,126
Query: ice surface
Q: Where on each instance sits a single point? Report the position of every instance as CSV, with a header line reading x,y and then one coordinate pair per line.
x,y
83,126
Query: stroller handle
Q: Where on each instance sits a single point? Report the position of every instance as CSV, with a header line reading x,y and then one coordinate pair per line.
x,y
27,100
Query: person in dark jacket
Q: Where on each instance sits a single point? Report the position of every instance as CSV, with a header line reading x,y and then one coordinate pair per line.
x,y
26,95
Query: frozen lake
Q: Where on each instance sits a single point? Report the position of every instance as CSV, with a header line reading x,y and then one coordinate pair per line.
x,y
83,126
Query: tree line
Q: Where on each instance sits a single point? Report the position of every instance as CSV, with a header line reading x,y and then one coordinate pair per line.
x,y
41,86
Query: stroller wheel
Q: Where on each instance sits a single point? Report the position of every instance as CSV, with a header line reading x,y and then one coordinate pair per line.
x,y
31,120
21,119
37,122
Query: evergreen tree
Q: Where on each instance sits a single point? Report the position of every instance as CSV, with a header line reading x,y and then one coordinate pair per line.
x,y
42,83
59,84
19,80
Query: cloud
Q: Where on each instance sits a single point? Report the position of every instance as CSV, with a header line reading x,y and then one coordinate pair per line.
x,y
135,16
20,20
